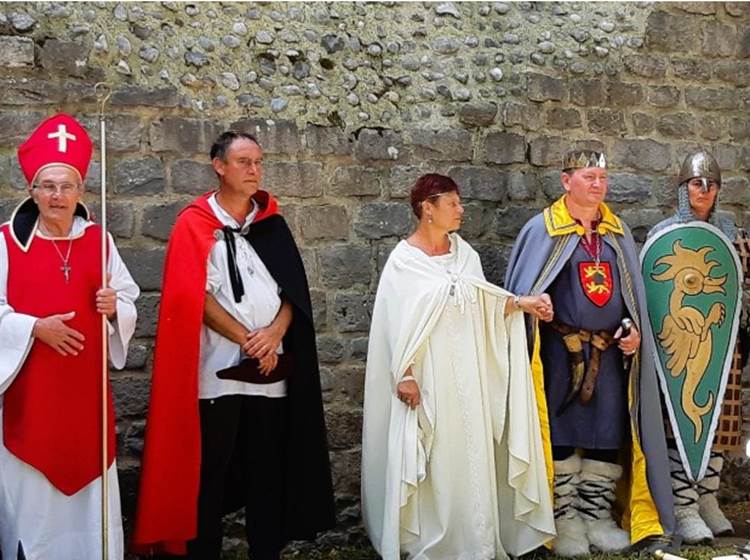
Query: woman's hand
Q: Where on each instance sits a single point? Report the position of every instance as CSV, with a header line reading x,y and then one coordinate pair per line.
x,y
538,306
408,393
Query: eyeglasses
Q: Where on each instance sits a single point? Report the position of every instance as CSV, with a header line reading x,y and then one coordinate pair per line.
x,y
51,188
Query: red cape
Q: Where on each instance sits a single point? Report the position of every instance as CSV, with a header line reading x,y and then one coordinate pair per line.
x,y
166,517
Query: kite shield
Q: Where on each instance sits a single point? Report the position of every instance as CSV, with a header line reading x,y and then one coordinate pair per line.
x,y
693,280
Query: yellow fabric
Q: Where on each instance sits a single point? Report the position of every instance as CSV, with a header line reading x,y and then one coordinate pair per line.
x,y
558,220
537,375
642,517
541,401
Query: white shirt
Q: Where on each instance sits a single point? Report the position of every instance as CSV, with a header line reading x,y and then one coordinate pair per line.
x,y
257,309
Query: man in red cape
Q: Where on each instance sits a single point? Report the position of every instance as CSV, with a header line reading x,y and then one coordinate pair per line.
x,y
234,287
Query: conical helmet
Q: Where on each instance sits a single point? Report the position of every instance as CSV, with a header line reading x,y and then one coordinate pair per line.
x,y
699,164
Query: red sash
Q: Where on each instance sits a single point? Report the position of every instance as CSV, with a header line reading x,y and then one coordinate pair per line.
x,y
52,410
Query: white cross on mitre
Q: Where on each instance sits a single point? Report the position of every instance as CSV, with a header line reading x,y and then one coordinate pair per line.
x,y
62,136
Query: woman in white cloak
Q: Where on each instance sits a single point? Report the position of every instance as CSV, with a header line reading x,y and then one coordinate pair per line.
x,y
452,458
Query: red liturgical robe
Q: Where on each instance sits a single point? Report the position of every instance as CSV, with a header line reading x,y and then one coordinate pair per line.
x,y
52,411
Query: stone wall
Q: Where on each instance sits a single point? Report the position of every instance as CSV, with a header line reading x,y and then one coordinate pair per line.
x,y
352,102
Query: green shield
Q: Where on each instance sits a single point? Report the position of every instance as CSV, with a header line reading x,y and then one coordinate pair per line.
x,y
693,287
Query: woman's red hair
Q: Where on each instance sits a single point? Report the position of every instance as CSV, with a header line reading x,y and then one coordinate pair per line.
x,y
428,186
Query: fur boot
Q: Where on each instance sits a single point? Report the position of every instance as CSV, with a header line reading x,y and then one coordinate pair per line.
x,y
708,505
596,496
571,532
690,525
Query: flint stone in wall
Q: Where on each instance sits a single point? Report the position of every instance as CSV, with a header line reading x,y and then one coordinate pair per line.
x,y
301,179
494,261
16,52
670,32
327,140
344,429
64,56
124,132
676,125
739,128
159,219
743,48
737,9
480,183
606,121
641,220
355,180
733,71
563,119
147,306
642,123
131,393
15,127
352,312
718,39
647,155
323,222
503,147
183,136
735,190
587,93
383,219
691,69
146,266
319,307
4,179
625,95
440,145
345,266
139,176
477,220
375,145
629,188
135,95
345,467
510,219
711,99
544,88
477,113
330,351
527,115
663,96
192,177
275,136
120,216
645,66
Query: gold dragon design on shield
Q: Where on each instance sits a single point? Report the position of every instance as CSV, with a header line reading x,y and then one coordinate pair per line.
x,y
686,332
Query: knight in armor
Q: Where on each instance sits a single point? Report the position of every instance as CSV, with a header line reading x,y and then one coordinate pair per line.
x,y
699,518
597,385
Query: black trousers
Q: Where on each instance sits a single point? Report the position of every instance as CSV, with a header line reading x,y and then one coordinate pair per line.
x,y
562,452
251,431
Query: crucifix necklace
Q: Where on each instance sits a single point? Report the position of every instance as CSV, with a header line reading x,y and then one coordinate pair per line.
x,y
65,268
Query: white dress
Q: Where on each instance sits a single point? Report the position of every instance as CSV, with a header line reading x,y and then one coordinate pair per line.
x,y
49,524
463,475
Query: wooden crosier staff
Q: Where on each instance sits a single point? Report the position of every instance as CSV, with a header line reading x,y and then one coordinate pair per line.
x,y
103,92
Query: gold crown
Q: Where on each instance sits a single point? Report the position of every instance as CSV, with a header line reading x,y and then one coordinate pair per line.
x,y
578,159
